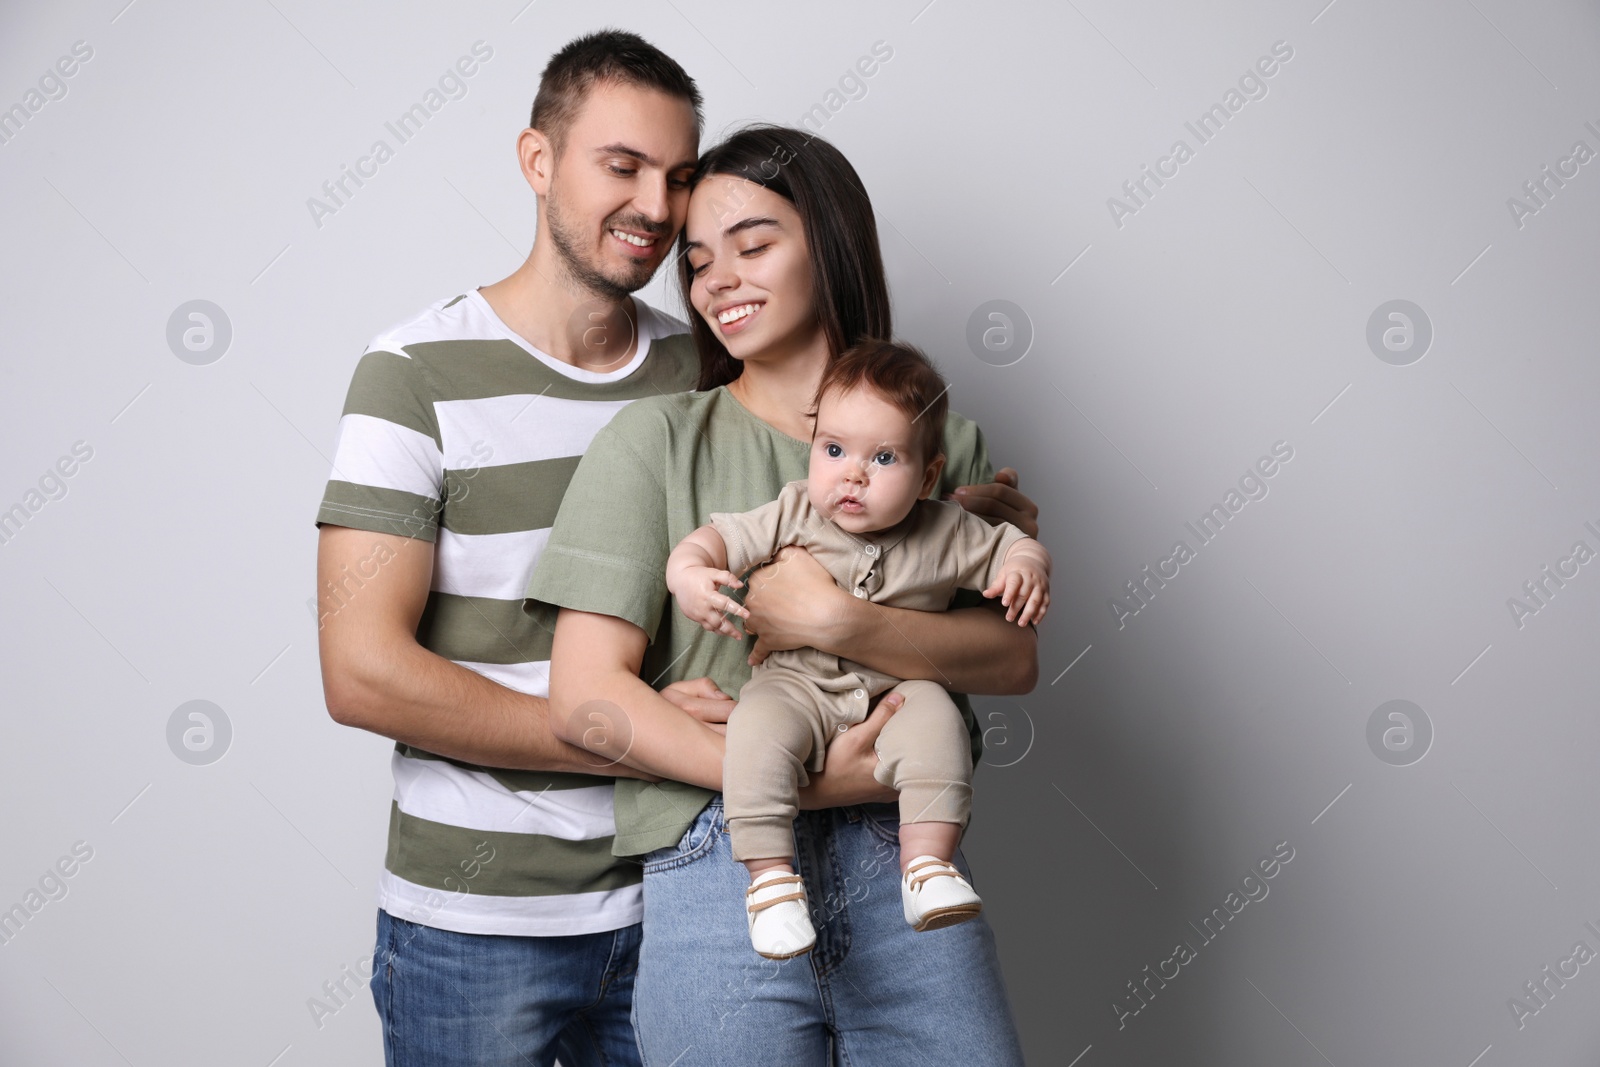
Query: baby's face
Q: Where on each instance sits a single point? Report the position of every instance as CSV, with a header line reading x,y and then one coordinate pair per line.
x,y
865,469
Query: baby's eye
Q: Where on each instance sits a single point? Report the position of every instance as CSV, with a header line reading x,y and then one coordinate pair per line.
x,y
884,458
833,451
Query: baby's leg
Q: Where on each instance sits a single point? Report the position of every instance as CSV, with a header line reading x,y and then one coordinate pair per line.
x,y
772,732
926,753
928,839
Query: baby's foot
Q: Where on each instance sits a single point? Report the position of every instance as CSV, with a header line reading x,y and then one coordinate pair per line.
x,y
934,894
775,908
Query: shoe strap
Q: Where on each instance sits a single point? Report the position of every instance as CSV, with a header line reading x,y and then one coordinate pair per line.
x,y
930,869
765,904
782,879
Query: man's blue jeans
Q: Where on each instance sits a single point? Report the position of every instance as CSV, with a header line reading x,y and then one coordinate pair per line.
x,y
873,990
481,1000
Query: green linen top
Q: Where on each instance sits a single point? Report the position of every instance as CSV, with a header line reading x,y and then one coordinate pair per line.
x,y
651,477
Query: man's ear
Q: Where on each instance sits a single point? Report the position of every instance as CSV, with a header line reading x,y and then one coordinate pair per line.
x,y
930,477
538,159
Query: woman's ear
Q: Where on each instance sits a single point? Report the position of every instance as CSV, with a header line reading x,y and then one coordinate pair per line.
x,y
930,477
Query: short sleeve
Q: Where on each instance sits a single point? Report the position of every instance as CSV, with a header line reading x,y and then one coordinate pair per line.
x,y
388,468
966,455
752,537
979,549
607,552
966,463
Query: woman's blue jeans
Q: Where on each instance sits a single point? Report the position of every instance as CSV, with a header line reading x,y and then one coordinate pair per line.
x,y
872,992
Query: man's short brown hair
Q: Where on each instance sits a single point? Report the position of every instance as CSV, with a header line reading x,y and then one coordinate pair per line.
x,y
614,56
903,377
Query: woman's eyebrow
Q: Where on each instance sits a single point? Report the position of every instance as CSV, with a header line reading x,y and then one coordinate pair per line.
x,y
750,224
738,227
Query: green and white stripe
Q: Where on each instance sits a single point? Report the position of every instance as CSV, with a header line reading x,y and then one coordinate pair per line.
x,y
456,431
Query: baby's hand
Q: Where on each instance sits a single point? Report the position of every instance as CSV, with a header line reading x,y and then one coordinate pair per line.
x,y
701,599
1023,587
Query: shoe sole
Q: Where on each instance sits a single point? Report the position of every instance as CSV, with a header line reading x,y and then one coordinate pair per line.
x,y
785,956
940,918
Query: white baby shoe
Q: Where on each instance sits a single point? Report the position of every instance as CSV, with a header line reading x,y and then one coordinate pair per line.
x,y
934,894
780,922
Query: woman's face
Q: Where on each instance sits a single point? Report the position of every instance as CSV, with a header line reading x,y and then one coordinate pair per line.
x,y
751,269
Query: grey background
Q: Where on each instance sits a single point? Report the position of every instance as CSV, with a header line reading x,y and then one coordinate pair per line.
x,y
1168,355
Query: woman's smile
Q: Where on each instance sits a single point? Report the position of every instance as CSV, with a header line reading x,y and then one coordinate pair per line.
x,y
738,317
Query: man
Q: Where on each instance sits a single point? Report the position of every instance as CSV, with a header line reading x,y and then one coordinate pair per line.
x,y
507,932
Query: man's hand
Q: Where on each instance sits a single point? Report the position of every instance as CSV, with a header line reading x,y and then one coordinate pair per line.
x,y
1000,501
792,603
850,762
701,698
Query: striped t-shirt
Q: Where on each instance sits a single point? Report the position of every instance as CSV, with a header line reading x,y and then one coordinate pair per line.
x,y
456,431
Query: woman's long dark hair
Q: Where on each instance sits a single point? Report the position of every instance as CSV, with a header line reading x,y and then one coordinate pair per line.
x,y
847,279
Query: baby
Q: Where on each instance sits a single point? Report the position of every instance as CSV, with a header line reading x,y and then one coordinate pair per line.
x,y
865,515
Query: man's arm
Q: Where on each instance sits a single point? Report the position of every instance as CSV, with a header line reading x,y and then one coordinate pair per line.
x,y
600,702
377,677
1000,501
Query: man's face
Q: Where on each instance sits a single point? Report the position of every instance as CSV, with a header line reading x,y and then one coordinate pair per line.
x,y
620,187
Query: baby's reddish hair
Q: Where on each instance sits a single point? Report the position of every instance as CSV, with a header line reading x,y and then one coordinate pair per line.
x,y
903,377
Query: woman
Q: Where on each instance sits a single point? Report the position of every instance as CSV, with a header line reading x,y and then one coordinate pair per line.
x,y
781,267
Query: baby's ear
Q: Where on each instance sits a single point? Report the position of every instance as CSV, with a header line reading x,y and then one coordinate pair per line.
x,y
930,477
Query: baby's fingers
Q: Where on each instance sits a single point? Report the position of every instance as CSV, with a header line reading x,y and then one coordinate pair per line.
x,y
727,578
708,617
1016,587
1038,601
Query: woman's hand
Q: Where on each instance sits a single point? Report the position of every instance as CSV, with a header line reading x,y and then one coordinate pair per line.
x,y
698,591
1000,501
851,760
793,602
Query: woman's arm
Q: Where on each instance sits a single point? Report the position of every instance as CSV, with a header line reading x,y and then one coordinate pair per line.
x,y
967,650
599,702
795,603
